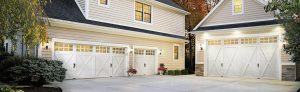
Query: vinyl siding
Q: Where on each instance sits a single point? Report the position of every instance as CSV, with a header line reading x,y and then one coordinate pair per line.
x,y
253,11
122,12
81,4
166,57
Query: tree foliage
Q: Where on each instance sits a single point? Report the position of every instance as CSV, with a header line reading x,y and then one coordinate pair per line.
x,y
288,14
23,19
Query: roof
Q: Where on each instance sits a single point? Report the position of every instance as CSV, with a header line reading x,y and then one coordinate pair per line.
x,y
170,3
198,27
69,11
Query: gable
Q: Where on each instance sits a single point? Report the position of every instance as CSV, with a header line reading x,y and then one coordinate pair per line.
x,y
253,11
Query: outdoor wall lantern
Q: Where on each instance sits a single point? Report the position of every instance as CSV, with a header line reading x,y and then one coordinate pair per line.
x,y
130,50
201,47
47,45
160,51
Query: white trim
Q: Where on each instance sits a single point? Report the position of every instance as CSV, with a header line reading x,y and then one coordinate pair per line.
x,y
147,47
232,8
88,42
80,7
142,22
103,5
212,12
177,60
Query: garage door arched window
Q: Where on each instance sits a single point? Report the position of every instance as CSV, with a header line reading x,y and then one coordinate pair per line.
x,y
59,46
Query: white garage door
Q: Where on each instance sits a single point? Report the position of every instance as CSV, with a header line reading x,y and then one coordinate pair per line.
x,y
90,61
254,57
144,61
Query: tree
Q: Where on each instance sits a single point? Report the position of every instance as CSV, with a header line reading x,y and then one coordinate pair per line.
x,y
198,10
24,20
288,14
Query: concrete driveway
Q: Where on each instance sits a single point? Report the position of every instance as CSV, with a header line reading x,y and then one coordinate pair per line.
x,y
189,83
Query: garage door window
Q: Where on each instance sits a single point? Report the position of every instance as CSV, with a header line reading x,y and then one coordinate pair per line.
x,y
84,48
58,46
138,52
214,42
150,52
231,42
102,49
268,40
248,41
119,50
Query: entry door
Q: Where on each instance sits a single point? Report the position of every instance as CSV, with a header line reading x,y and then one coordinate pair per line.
x,y
144,61
85,62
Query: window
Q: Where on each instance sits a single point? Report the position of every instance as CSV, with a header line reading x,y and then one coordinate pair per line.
x,y
138,52
150,52
102,49
237,6
248,41
84,48
214,42
176,52
118,50
268,40
102,2
142,12
231,42
58,46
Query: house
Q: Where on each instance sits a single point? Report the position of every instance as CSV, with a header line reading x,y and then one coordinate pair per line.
x,y
104,38
239,39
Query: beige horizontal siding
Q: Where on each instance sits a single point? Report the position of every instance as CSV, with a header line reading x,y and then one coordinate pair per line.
x,y
82,35
81,4
285,58
253,10
123,11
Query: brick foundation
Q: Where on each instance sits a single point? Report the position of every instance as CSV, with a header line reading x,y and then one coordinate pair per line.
x,y
199,70
288,72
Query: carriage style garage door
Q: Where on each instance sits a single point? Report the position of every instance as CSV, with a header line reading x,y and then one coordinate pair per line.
x,y
91,61
253,57
144,61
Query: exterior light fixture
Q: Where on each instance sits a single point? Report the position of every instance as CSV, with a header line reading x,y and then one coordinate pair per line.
x,y
47,45
201,47
160,51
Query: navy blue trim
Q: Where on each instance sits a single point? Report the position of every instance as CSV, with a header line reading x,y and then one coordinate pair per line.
x,y
69,11
239,25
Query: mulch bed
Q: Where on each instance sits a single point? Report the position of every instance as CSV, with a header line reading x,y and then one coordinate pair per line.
x,y
40,89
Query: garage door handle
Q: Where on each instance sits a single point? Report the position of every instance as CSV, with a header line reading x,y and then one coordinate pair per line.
x,y
257,65
110,65
74,65
144,65
222,65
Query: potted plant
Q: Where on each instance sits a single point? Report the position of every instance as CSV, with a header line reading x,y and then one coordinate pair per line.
x,y
162,70
131,71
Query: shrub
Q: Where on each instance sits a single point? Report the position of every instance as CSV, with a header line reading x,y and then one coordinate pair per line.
x,y
32,71
171,72
9,89
177,72
184,72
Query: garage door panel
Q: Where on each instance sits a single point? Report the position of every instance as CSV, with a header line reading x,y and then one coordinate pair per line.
x,y
268,61
68,61
102,64
230,61
249,61
215,60
84,66
150,65
118,65
139,64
